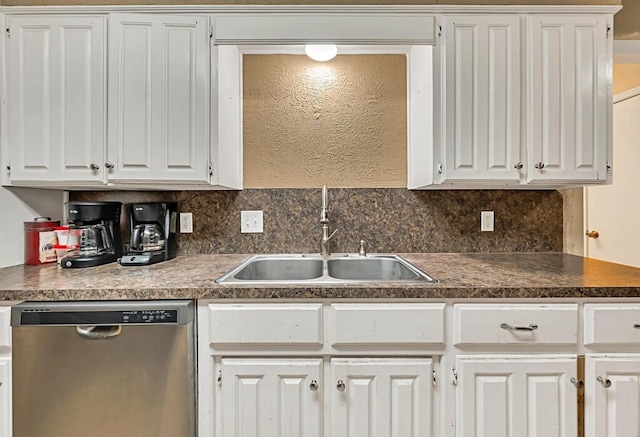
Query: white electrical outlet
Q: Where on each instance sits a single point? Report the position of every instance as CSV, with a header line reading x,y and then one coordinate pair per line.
x,y
186,223
251,222
486,221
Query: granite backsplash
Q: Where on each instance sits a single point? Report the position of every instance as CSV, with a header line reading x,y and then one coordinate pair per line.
x,y
389,219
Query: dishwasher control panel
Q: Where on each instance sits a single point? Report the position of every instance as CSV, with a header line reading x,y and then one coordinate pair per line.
x,y
103,313
150,316
47,317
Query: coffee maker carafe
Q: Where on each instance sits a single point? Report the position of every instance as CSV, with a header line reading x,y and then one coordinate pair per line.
x,y
97,228
153,233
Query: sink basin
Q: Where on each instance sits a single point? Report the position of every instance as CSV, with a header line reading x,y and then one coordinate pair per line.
x,y
372,269
314,269
280,269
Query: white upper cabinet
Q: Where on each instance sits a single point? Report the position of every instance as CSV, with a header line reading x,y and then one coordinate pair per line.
x,y
519,100
56,99
481,99
568,98
159,98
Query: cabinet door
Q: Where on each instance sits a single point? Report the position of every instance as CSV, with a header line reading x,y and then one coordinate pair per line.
x,y
5,397
612,406
158,98
271,397
516,396
568,98
56,98
381,397
482,95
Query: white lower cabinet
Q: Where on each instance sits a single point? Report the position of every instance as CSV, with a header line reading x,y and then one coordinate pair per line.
x,y
513,396
381,397
271,397
5,397
612,395
390,369
286,397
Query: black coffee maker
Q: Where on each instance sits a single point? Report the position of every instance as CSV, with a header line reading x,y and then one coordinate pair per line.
x,y
153,233
95,226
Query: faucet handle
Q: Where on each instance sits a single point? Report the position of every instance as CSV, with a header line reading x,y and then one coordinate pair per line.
x,y
362,250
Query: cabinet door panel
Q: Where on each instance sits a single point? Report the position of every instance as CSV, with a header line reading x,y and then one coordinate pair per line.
x,y
516,396
381,397
568,99
57,113
135,98
5,398
612,411
158,98
271,397
482,88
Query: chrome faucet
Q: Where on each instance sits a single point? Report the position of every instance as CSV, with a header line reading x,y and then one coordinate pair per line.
x,y
324,221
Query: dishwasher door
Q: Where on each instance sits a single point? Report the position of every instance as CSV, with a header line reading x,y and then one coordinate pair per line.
x,y
104,369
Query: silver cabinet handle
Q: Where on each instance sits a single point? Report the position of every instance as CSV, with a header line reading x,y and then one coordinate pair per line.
x,y
539,165
314,385
109,165
340,386
98,332
94,167
518,166
577,382
518,328
606,383
636,325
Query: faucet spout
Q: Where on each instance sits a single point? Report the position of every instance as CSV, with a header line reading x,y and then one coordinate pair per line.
x,y
324,221
324,215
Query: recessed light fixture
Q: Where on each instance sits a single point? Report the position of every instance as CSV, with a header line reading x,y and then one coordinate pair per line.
x,y
321,52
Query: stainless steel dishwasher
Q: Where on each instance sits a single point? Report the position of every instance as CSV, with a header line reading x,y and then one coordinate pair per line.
x,y
104,369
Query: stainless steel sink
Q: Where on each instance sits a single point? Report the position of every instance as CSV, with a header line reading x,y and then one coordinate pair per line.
x,y
315,269
372,269
280,269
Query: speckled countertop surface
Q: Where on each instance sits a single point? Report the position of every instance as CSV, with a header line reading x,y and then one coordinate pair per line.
x,y
473,275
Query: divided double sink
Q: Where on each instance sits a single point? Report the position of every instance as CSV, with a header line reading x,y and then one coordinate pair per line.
x,y
316,269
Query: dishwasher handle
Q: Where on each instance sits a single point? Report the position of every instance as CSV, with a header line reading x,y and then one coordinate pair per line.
x,y
94,332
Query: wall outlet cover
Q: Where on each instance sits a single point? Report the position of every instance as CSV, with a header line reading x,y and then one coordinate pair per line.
x,y
186,223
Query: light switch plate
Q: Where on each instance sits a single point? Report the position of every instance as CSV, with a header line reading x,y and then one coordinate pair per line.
x,y
251,222
486,221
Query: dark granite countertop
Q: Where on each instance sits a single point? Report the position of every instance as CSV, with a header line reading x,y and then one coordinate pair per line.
x,y
467,275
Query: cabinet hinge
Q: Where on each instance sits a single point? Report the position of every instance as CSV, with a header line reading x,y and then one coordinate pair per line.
x,y
439,30
439,168
608,31
219,379
210,169
434,380
211,31
8,33
454,379
608,167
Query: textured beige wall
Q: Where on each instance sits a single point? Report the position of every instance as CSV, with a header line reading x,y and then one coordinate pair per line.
x,y
341,123
625,77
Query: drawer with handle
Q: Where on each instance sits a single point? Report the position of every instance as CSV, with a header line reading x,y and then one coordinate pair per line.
x,y
515,324
611,324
